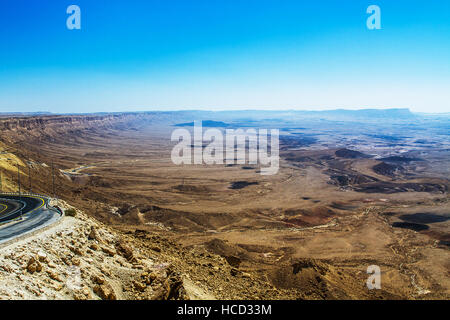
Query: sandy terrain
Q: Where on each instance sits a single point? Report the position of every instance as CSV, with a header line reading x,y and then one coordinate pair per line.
x,y
311,230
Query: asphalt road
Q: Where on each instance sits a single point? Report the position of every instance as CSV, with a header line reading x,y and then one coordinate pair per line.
x,y
35,215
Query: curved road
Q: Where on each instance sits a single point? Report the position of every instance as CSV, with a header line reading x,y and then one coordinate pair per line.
x,y
35,214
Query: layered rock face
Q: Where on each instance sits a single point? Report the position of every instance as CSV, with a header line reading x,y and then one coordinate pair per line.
x,y
41,127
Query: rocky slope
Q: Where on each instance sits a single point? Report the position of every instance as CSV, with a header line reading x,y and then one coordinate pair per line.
x,y
80,258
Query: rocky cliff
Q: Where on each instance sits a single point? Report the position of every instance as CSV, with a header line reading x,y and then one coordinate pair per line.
x,y
21,129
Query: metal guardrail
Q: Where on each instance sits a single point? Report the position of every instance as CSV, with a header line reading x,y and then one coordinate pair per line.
x,y
25,194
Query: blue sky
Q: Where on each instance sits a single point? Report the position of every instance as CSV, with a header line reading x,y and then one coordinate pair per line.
x,y
223,55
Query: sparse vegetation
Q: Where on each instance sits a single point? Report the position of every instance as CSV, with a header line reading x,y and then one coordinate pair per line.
x,y
70,212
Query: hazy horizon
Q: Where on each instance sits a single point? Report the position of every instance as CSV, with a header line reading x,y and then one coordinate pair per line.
x,y
220,110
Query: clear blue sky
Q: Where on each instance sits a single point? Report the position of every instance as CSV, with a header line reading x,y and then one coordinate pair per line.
x,y
227,54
